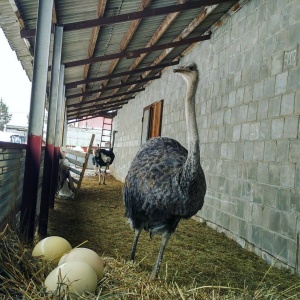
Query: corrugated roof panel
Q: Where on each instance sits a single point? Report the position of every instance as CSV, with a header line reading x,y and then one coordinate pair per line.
x,y
76,43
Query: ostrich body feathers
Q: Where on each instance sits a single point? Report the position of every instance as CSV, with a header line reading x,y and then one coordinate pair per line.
x,y
156,192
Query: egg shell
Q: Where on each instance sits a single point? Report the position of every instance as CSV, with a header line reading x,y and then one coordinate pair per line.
x,y
86,255
51,248
76,276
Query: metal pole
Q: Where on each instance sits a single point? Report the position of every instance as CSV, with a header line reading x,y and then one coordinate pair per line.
x,y
52,113
65,129
36,118
58,136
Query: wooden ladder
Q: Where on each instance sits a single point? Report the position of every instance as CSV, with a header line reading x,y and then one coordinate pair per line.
x,y
106,134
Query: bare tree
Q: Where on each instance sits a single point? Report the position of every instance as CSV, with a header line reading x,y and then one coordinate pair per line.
x,y
5,116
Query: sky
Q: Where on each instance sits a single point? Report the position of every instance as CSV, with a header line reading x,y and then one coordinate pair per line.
x,y
15,87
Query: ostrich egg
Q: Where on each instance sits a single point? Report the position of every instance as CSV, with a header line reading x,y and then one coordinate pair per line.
x,y
51,248
85,255
75,277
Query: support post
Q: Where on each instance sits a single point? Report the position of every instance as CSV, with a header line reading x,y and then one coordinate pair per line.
x,y
49,149
58,135
36,119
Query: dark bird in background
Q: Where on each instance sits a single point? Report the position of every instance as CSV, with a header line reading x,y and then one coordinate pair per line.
x,y
165,182
104,158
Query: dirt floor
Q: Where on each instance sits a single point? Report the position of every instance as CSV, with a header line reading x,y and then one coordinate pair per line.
x,y
195,253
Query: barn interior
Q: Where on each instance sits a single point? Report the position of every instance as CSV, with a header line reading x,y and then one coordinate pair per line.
x,y
115,60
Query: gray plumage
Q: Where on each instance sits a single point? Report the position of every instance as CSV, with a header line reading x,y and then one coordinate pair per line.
x,y
165,182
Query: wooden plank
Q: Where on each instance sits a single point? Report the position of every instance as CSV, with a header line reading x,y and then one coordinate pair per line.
x,y
75,171
74,152
75,162
85,163
75,180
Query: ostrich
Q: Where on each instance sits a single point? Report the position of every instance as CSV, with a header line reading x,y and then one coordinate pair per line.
x,y
104,158
165,182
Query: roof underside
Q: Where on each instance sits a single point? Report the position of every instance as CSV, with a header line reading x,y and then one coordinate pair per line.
x,y
113,48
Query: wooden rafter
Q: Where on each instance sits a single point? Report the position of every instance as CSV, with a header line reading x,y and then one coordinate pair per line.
x,y
93,40
196,21
146,13
113,87
74,84
127,38
156,36
100,99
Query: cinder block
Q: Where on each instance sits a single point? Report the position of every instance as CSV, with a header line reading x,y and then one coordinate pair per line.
x,y
269,87
295,203
281,83
265,130
287,175
274,106
297,102
280,247
282,151
267,240
291,127
258,150
262,111
262,172
256,235
248,155
245,131
283,200
236,133
274,174
293,83
287,224
258,90
254,131
239,151
270,151
277,128
265,68
294,156
276,67
287,104
252,170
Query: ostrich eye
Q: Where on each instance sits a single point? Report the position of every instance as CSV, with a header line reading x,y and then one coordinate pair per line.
x,y
191,68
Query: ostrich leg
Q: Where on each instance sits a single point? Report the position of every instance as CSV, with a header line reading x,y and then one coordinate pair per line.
x,y
137,233
105,174
165,238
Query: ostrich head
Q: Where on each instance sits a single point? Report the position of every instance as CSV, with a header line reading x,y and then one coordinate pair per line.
x,y
188,71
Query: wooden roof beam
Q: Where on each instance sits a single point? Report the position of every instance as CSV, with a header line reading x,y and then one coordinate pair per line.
x,y
94,37
103,114
188,30
146,13
97,100
95,115
127,38
103,104
136,53
74,84
113,87
154,39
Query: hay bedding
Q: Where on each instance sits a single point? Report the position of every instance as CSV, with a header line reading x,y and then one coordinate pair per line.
x,y
199,263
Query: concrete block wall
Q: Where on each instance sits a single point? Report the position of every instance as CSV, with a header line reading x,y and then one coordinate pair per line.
x,y
248,106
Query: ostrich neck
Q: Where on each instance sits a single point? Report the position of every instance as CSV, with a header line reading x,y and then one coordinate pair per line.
x,y
191,123
193,159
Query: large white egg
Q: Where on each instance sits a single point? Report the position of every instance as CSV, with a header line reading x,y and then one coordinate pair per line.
x,y
51,248
75,277
87,255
